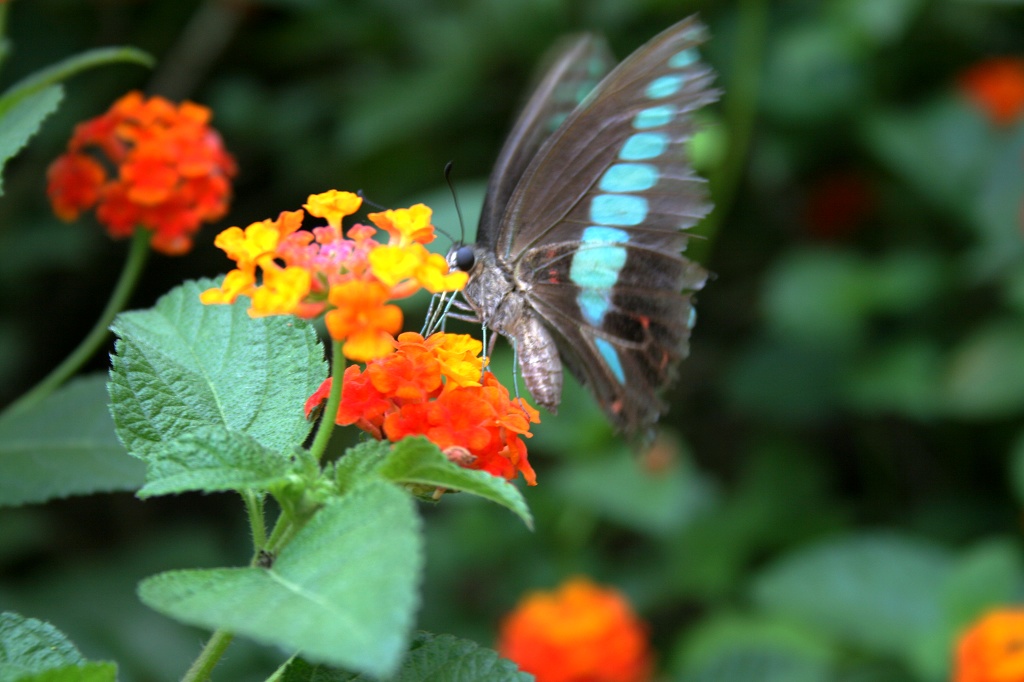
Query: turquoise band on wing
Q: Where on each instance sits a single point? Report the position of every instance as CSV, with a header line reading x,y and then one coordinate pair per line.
x,y
595,269
665,86
654,117
601,254
629,177
643,146
611,357
624,210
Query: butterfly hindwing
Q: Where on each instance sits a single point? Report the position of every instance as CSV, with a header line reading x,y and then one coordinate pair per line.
x,y
593,232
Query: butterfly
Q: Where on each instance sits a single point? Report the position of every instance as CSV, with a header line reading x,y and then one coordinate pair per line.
x,y
578,259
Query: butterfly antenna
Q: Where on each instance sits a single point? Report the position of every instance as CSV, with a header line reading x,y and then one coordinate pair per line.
x,y
455,199
370,202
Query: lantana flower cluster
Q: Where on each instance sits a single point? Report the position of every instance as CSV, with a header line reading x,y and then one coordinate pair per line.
x,y
145,163
411,385
348,279
580,631
434,387
992,650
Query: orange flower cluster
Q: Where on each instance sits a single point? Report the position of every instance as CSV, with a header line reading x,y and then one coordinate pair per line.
x,y
993,649
997,87
433,387
347,279
172,172
579,633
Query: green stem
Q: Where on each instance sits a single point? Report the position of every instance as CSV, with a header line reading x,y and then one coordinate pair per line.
x,y
98,335
740,107
281,535
326,428
208,657
254,507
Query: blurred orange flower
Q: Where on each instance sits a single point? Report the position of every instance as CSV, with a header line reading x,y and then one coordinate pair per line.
x,y
997,87
992,650
580,632
170,173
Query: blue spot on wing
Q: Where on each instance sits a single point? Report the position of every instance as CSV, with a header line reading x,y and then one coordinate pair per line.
x,y
629,177
618,209
597,266
665,86
599,234
641,146
654,117
593,304
595,269
611,357
683,59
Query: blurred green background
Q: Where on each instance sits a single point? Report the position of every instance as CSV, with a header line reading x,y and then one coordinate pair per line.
x,y
838,491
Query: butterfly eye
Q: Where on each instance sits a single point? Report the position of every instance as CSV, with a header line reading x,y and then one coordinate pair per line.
x,y
464,258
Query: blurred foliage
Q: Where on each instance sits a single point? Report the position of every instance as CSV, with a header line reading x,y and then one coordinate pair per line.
x,y
839,488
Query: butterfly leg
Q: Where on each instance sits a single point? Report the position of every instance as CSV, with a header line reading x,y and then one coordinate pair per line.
x,y
515,375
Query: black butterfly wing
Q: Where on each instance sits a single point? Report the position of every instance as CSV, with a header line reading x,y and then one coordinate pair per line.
x,y
572,68
594,231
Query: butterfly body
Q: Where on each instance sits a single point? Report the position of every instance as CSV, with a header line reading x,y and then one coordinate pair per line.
x,y
579,254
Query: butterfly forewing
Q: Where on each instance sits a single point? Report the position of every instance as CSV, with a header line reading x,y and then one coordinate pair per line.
x,y
594,231
572,69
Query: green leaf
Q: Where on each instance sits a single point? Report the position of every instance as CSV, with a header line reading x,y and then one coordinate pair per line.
x,y
986,374
183,365
343,591
1016,467
820,296
902,376
987,575
943,149
880,22
211,459
360,463
995,209
710,643
814,72
879,592
34,651
743,665
64,69
431,658
86,672
620,489
18,123
65,445
416,460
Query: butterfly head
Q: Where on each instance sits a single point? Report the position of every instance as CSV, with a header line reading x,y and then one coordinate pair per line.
x,y
462,258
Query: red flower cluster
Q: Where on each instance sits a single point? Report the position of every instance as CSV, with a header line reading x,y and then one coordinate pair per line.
x,y
993,649
578,633
997,87
172,172
433,387
839,203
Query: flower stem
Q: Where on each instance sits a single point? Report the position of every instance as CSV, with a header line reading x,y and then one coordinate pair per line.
x,y
254,507
98,335
326,428
208,657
